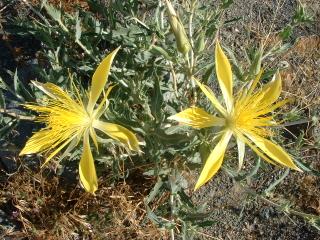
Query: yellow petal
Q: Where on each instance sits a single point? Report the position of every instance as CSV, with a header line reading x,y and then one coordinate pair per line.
x,y
255,82
197,118
99,110
71,146
37,143
224,75
44,88
100,78
56,151
273,107
119,133
52,90
254,148
207,91
273,151
272,90
93,136
241,151
214,160
87,170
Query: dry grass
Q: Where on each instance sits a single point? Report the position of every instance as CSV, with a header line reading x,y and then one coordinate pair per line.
x,y
45,209
66,5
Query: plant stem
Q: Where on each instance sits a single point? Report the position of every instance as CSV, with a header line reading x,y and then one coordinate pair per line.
x,y
174,78
172,212
172,179
191,64
274,184
15,115
295,212
309,217
161,15
36,12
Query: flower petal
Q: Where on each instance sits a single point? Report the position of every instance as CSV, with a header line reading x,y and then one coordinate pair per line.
x,y
93,136
100,78
87,170
224,75
254,82
273,151
75,141
254,148
40,142
197,118
214,160
48,88
37,143
119,133
207,91
53,91
272,90
57,150
100,110
241,150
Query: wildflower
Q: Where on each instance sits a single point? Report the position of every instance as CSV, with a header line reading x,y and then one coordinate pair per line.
x,y
246,116
69,120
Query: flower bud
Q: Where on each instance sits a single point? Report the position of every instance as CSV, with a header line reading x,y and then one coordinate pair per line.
x,y
178,30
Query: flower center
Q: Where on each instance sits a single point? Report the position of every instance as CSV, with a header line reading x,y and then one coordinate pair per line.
x,y
230,122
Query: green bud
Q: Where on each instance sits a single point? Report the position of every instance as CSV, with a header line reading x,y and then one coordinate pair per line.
x,y
178,30
160,51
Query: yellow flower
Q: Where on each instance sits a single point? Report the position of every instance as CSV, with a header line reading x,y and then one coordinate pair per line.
x,y
245,115
69,120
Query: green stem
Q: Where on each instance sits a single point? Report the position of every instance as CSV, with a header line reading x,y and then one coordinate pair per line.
x,y
15,115
172,215
161,15
274,184
172,179
288,210
174,78
192,62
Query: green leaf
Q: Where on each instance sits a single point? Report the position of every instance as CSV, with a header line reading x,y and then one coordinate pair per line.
x,y
15,81
172,139
301,16
205,150
306,168
226,3
237,69
155,191
277,182
208,72
2,100
200,43
185,199
256,63
249,174
157,101
286,32
206,223
158,220
53,12
8,127
78,29
2,84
